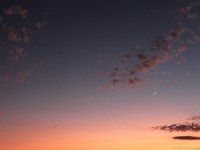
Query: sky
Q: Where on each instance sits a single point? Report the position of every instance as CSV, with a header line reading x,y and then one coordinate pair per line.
x,y
99,75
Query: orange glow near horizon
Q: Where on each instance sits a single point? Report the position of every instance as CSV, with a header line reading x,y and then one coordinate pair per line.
x,y
91,138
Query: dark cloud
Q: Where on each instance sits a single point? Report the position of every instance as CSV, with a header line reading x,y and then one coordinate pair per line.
x,y
192,125
180,127
186,138
142,56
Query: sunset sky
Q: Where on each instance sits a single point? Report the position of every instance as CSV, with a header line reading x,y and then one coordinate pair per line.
x,y
99,74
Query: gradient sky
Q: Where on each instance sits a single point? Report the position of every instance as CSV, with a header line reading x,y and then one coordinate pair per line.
x,y
57,90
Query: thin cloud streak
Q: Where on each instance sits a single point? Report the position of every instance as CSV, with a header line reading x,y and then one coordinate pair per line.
x,y
186,138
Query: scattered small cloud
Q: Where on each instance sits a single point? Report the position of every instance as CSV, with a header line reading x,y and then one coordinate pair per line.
x,y
15,39
16,10
188,11
13,36
168,46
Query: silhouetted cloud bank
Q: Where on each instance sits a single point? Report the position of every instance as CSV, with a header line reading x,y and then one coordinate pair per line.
x,y
194,125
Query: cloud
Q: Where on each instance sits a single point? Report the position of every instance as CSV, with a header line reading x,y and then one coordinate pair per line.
x,y
15,39
13,36
188,11
16,10
151,63
179,127
194,118
168,46
22,76
16,53
186,138
142,56
40,25
194,125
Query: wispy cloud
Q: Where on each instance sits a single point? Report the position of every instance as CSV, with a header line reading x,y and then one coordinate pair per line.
x,y
168,46
161,50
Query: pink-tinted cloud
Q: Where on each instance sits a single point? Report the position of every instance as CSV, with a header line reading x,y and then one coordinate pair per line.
x,y
181,49
188,11
13,36
151,63
16,10
22,76
165,47
129,75
14,42
16,53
